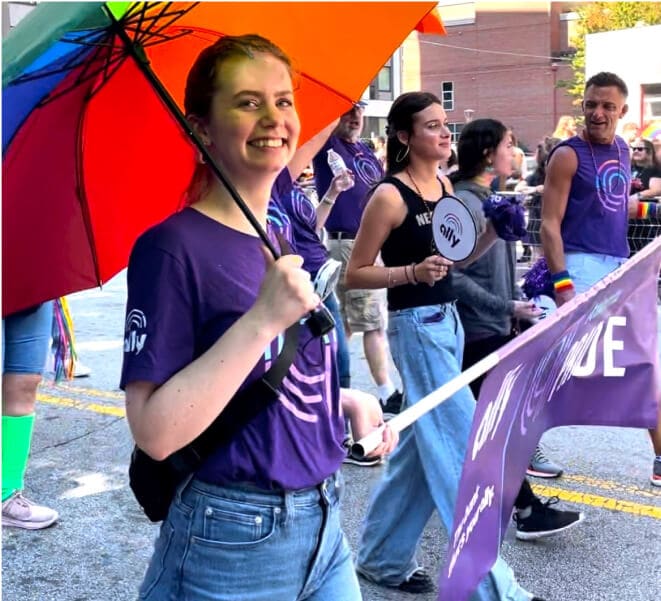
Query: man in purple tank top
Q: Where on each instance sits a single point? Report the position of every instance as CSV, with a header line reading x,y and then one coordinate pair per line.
x,y
586,204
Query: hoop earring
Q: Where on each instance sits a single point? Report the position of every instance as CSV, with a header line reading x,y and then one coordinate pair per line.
x,y
398,158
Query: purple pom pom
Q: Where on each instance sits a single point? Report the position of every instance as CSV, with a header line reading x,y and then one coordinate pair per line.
x,y
507,217
537,280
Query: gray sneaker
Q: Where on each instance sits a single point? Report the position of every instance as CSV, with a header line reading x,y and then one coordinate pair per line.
x,y
19,512
656,472
542,467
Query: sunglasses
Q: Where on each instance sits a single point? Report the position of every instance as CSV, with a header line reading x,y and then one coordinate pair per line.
x,y
638,148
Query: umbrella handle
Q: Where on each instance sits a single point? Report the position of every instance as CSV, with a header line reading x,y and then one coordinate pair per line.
x,y
320,321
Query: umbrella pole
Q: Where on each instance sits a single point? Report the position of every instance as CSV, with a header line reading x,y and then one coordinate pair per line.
x,y
320,321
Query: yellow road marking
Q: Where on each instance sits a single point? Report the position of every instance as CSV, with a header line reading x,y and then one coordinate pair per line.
x,y
609,485
584,498
75,404
106,394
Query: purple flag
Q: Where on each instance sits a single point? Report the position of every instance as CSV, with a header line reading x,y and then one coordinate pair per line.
x,y
591,362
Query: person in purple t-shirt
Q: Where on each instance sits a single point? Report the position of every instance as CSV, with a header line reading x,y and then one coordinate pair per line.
x,y
307,221
206,310
586,204
362,310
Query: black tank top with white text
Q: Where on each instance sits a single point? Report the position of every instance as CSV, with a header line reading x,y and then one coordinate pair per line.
x,y
411,242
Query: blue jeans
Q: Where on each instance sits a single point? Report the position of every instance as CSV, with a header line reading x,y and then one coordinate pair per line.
x,y
424,470
586,269
240,543
343,357
25,339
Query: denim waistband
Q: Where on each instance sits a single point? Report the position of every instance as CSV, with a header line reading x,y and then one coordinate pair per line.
x,y
600,257
327,491
410,310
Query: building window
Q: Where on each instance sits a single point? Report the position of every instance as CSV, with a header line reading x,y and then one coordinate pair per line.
x,y
375,126
456,12
382,87
455,128
651,102
447,95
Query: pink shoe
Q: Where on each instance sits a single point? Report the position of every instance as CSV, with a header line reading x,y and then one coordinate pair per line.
x,y
19,512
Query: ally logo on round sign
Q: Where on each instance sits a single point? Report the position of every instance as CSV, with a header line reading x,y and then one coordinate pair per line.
x,y
454,229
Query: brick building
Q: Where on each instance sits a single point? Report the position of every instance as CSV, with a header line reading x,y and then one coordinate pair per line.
x,y
500,60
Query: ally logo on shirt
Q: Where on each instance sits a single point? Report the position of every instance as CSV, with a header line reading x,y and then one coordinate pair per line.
x,y
134,331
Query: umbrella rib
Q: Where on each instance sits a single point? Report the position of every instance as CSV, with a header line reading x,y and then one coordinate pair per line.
x,y
327,87
78,59
142,33
85,76
165,38
82,199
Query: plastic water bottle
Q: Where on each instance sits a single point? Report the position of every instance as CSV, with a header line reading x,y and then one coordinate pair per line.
x,y
337,166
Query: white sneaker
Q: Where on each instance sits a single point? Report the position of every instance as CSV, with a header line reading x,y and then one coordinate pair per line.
x,y
19,512
80,370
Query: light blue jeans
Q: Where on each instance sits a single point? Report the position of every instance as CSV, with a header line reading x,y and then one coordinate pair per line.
x,y
241,543
424,470
586,269
343,356
25,340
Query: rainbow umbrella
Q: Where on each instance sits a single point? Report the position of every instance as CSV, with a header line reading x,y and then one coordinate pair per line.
x,y
95,148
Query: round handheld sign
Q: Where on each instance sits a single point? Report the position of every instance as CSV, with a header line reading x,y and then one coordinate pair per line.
x,y
454,229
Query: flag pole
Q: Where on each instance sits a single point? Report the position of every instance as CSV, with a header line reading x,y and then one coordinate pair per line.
x,y
404,419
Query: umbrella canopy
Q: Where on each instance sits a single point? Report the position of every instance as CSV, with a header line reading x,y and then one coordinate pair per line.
x,y
93,156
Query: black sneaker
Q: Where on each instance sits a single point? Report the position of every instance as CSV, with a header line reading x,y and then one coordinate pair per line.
x,y
393,405
417,583
544,520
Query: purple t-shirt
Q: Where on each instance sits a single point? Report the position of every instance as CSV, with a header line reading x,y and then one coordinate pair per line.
x,y
596,218
290,196
189,279
350,204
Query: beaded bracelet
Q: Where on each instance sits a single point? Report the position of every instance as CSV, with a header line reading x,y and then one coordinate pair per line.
x,y
561,281
647,210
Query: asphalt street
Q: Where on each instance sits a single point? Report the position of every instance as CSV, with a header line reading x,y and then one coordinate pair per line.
x,y
99,549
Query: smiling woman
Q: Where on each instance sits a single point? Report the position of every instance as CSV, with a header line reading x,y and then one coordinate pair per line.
x,y
209,310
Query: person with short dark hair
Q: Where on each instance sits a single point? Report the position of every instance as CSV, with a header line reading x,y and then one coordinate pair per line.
x,y
586,205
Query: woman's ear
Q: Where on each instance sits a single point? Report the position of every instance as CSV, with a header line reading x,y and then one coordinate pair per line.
x,y
199,127
403,137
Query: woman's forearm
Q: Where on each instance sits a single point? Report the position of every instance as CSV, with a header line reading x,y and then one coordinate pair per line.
x,y
377,276
177,412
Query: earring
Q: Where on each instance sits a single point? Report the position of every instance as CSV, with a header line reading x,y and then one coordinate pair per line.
x,y
489,169
398,158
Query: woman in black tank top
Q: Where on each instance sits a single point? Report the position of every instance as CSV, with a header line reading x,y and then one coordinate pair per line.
x,y
426,341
